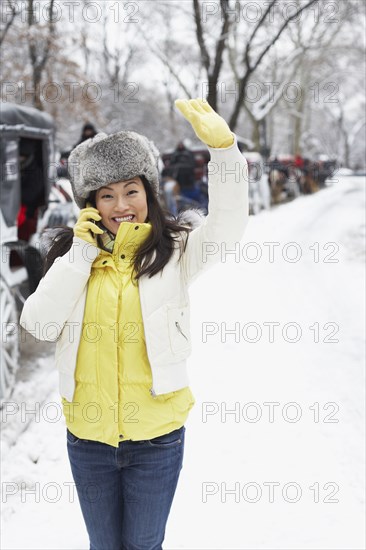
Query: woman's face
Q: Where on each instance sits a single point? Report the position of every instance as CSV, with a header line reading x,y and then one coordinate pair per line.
x,y
120,202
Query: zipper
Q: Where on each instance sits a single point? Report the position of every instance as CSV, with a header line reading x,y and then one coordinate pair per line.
x,y
98,302
142,303
180,330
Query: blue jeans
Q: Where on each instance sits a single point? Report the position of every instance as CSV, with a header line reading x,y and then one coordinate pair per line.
x,y
125,494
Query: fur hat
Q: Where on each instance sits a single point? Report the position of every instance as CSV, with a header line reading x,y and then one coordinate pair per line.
x,y
106,159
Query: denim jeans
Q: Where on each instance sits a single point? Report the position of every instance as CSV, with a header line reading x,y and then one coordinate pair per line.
x,y
125,494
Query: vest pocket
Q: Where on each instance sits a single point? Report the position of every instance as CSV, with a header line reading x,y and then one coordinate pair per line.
x,y
179,330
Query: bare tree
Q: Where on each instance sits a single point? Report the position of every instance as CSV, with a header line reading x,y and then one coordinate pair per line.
x,y
212,64
40,45
252,60
117,61
10,11
349,130
281,71
163,53
319,45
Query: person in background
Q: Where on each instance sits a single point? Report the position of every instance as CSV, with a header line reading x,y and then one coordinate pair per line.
x,y
171,190
299,162
87,132
62,165
182,164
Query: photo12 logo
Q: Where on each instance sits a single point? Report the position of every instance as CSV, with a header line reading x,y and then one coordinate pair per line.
x,y
252,12
253,492
53,92
269,411
271,251
70,11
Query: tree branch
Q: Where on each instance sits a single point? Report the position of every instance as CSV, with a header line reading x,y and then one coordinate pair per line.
x,y
251,68
220,46
269,46
206,62
9,23
261,21
165,60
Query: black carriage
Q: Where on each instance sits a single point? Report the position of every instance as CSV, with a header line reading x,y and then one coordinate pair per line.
x,y
26,175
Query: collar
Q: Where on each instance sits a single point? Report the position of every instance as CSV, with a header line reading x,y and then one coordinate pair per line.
x,y
128,238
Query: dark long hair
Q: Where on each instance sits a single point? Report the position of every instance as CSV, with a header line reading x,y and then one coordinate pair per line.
x,y
165,233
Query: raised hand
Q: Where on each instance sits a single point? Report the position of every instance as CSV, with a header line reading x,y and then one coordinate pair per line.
x,y
209,127
85,228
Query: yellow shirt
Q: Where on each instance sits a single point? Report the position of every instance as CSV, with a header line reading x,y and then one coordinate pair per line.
x,y
112,401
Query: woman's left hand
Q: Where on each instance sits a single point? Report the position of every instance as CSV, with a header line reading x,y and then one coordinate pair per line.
x,y
209,127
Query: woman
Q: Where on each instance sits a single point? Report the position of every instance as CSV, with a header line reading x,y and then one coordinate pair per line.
x,y
115,297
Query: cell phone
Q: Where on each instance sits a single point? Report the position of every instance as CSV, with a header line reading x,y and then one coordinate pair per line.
x,y
99,239
99,224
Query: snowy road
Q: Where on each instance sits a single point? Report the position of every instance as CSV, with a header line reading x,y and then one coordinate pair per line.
x,y
274,455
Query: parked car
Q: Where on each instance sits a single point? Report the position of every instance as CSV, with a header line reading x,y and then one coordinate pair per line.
x,y
26,178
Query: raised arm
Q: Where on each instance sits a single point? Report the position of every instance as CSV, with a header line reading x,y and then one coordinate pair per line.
x,y
228,215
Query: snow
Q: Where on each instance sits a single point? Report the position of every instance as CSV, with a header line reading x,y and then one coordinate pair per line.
x,y
318,457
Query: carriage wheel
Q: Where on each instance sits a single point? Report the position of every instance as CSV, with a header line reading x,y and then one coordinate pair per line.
x,y
9,350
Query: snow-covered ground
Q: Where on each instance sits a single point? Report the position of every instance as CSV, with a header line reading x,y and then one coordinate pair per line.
x,y
274,455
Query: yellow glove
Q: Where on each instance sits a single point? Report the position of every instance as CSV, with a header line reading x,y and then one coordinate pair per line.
x,y
210,127
86,229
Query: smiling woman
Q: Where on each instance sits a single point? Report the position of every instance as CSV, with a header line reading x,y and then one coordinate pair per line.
x,y
124,201
123,376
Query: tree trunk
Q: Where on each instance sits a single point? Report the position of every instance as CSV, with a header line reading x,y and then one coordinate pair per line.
x,y
212,92
37,102
39,56
238,105
256,134
347,151
299,119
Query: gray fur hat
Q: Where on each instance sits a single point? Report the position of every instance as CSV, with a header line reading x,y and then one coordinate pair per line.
x,y
106,159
